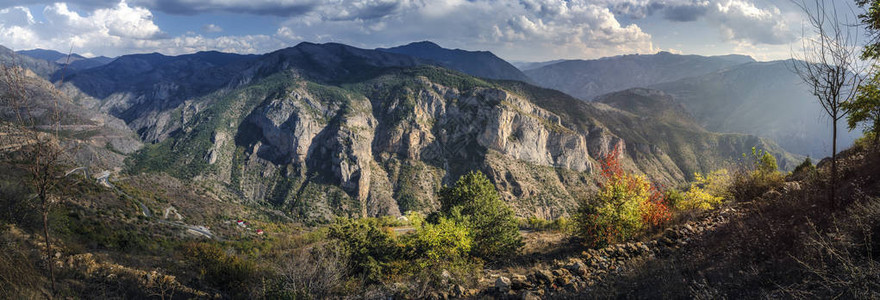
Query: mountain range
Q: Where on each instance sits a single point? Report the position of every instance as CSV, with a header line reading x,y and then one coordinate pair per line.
x,y
328,129
482,64
92,138
730,93
586,79
73,61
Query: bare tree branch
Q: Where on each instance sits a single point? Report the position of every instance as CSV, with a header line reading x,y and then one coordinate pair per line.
x,y
829,64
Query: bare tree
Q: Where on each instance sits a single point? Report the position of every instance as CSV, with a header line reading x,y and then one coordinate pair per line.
x,y
31,135
829,64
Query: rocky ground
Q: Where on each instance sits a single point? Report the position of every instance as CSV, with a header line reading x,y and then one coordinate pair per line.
x,y
563,269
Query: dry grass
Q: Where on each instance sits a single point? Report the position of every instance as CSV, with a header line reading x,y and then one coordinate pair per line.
x,y
785,243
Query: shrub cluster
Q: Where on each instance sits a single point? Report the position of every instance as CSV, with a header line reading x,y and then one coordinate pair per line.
x,y
474,224
757,175
475,203
624,205
706,192
368,246
218,269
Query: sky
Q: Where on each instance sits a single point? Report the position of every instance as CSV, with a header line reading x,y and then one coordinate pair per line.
x,y
527,30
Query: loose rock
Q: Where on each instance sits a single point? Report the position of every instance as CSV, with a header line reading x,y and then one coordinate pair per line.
x,y
502,284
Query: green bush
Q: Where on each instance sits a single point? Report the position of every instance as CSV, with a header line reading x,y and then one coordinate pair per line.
x,y
444,241
756,176
437,256
867,141
806,166
229,273
474,202
368,247
673,197
804,170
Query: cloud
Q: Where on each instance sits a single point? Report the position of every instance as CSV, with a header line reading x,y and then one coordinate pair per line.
x,y
346,10
85,4
284,8
16,16
212,28
108,26
744,22
685,13
739,21
121,29
529,29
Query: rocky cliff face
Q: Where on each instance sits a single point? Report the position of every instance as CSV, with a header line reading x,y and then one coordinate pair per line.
x,y
332,130
386,145
388,152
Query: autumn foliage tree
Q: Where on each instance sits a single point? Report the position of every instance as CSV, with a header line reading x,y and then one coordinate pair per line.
x,y
624,205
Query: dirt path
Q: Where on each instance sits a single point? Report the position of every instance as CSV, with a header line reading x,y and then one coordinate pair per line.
x,y
104,179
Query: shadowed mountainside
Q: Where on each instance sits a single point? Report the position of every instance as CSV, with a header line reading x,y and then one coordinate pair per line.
x,y
482,64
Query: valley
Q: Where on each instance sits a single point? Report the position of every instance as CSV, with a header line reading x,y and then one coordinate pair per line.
x,y
324,170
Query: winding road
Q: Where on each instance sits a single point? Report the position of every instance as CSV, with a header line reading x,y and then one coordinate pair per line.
x,y
104,179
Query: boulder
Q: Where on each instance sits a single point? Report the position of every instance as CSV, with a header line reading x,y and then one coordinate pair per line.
x,y
502,284
518,282
577,268
543,277
530,295
563,280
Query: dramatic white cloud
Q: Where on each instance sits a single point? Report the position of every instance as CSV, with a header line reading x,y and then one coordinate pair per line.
x,y
106,27
519,30
743,21
530,29
118,30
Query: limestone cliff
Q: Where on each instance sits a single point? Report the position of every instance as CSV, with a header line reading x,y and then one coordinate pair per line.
x,y
385,145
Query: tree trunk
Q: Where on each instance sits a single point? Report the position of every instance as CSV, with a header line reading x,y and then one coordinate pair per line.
x,y
45,212
833,164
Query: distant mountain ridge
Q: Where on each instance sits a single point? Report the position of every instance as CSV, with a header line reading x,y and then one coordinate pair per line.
x,y
103,141
731,93
761,98
41,67
74,61
586,79
477,63
529,65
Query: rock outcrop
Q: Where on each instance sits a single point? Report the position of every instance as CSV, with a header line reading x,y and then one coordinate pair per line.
x,y
331,130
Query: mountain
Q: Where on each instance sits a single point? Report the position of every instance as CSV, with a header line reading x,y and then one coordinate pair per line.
x,y
40,67
528,65
137,88
326,130
74,62
586,79
98,140
134,87
761,98
482,64
49,55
